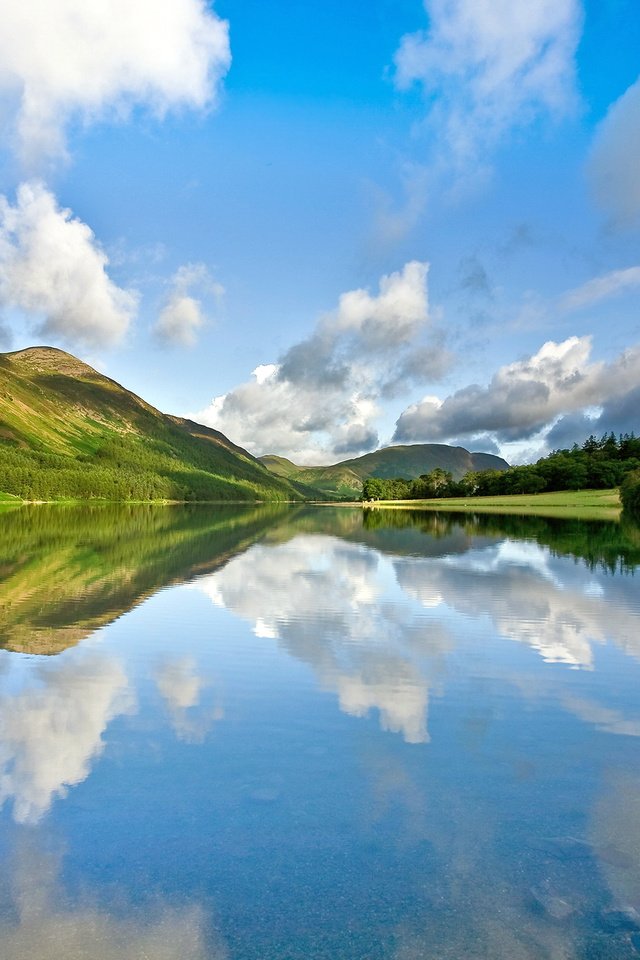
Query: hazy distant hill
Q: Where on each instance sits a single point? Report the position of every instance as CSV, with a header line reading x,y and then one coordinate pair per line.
x,y
67,431
336,479
406,461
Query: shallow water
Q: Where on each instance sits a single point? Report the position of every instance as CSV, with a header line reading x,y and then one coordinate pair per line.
x,y
291,732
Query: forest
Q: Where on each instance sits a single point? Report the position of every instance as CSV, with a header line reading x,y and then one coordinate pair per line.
x,y
599,464
133,468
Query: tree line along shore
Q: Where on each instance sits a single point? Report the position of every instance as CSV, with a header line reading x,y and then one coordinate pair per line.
x,y
598,464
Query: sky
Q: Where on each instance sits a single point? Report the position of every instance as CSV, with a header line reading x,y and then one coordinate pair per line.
x,y
324,228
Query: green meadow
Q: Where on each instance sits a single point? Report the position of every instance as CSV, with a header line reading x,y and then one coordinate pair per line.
x,y
575,504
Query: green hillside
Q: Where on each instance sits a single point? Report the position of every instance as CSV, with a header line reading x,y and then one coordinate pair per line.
x,y
280,466
67,432
334,481
408,461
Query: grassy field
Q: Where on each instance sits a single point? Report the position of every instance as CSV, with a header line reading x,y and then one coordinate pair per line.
x,y
576,504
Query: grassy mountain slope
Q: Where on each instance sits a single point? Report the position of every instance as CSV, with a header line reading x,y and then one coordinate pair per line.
x,y
67,431
406,461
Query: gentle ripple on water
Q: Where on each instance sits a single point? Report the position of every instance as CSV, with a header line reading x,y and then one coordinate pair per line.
x,y
301,733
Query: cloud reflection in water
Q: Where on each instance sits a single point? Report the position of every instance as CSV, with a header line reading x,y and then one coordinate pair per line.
x,y
52,729
327,603
533,599
183,689
38,919
341,608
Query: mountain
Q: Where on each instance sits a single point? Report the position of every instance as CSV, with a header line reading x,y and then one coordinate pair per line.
x,y
68,432
336,480
408,461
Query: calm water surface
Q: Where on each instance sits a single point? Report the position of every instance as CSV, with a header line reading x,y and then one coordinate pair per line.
x,y
252,733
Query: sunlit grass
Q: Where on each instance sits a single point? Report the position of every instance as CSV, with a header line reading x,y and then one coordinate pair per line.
x,y
578,504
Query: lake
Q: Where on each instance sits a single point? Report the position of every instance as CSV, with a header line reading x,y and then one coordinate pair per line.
x,y
312,732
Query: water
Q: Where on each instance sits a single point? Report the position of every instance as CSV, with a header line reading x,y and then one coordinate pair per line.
x,y
289,732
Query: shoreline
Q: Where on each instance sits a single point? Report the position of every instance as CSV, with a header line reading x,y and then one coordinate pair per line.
x,y
568,504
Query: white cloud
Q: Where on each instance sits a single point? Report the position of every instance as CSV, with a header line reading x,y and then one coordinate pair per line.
x,y
603,718
525,397
52,269
52,730
321,400
180,319
78,60
395,314
614,170
264,371
600,288
488,66
182,315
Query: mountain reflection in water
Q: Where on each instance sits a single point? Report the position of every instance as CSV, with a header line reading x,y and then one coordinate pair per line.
x,y
309,732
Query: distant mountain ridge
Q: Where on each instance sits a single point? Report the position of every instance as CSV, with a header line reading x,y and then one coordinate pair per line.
x,y
405,460
69,432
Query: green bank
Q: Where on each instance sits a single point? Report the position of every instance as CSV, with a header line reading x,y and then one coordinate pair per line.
x,y
576,504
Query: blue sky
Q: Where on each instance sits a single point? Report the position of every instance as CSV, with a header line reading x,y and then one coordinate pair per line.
x,y
320,228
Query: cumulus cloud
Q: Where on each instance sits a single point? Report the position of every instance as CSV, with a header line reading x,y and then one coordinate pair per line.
x,y
488,66
574,428
179,684
613,167
53,270
321,399
525,397
183,315
52,730
72,60
619,415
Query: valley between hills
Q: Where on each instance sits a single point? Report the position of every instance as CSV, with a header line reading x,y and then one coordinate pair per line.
x,y
67,432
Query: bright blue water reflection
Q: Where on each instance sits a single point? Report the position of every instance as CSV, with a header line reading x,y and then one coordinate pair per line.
x,y
331,741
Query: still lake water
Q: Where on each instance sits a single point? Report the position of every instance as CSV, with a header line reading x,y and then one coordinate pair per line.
x,y
300,733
